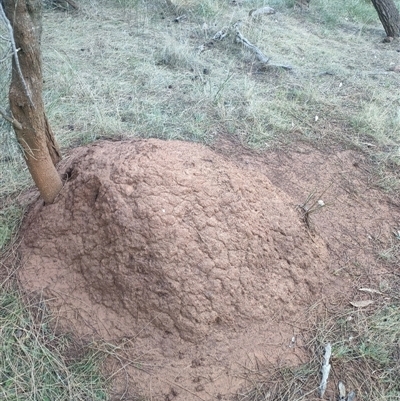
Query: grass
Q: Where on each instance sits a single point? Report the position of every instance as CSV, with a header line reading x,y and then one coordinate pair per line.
x,y
391,254
124,68
367,346
143,79
10,218
33,363
365,357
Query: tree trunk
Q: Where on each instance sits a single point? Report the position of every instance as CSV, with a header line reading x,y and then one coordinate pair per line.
x,y
26,102
389,16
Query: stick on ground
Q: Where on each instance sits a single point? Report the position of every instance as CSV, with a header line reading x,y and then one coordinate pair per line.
x,y
325,369
241,39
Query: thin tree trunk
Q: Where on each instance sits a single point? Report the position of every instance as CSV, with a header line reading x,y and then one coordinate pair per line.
x,y
26,102
389,16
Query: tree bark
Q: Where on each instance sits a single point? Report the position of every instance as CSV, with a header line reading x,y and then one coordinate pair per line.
x,y
389,16
36,138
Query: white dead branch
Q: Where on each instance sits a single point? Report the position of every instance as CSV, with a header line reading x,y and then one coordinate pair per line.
x,y
221,34
241,39
257,12
325,369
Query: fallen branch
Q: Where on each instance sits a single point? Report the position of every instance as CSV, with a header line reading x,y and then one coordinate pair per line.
x,y
180,18
256,12
221,34
325,369
241,39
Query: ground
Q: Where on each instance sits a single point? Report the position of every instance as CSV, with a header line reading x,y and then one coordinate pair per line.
x,y
205,260
248,244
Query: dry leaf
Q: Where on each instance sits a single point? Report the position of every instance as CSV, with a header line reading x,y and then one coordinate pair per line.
x,y
370,290
342,391
361,304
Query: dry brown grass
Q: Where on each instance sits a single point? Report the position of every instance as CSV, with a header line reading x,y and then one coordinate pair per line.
x,y
124,68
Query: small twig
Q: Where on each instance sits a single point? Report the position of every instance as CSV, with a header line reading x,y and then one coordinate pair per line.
x,y
10,119
15,52
316,204
222,86
180,18
278,66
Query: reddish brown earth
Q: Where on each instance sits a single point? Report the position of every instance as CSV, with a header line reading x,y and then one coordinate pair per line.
x,y
200,259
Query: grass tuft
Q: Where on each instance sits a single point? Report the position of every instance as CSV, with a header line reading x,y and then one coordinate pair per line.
x,y
32,358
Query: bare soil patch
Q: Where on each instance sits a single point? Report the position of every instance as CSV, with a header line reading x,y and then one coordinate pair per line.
x,y
200,258
359,219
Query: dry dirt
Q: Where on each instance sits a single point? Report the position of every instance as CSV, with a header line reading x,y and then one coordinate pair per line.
x,y
200,258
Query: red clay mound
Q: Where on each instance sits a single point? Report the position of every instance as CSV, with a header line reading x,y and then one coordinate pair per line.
x,y
157,239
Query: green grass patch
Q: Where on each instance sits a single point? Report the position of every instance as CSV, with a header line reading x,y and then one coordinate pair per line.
x,y
32,358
